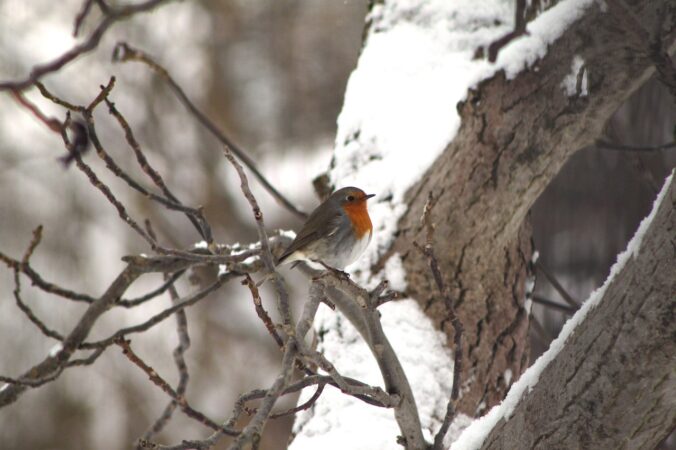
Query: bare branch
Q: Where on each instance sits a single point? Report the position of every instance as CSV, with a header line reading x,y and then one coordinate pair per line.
x,y
81,16
59,101
51,123
53,365
123,52
178,354
194,215
266,254
38,281
305,405
556,285
262,313
355,304
552,304
166,286
111,16
162,384
159,317
519,30
252,432
428,251
29,312
389,400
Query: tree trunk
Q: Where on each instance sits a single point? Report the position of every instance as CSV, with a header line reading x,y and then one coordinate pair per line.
x,y
613,384
515,136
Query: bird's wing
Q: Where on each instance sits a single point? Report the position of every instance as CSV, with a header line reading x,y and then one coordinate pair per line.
x,y
315,228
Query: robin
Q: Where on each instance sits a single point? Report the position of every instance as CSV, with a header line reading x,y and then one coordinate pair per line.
x,y
336,233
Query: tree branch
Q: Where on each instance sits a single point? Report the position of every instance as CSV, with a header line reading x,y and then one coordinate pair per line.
x,y
111,15
53,365
620,353
123,52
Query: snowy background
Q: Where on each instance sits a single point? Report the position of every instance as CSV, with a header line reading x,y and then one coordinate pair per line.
x,y
274,76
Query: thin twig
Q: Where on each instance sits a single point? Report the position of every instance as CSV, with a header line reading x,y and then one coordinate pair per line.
x,y
54,365
262,313
162,384
59,101
81,16
159,317
51,123
167,285
38,281
428,251
252,432
195,216
552,304
389,400
111,16
240,407
306,405
35,241
556,285
29,312
344,293
266,253
519,30
123,52
178,354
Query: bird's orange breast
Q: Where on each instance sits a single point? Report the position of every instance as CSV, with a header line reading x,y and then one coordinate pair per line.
x,y
359,216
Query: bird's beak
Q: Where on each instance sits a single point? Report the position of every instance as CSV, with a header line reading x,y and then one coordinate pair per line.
x,y
368,196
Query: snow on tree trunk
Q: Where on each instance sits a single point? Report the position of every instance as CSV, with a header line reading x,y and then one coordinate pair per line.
x,y
608,380
424,113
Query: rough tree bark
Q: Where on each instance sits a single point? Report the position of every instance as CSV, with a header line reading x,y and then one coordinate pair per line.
x,y
613,384
515,136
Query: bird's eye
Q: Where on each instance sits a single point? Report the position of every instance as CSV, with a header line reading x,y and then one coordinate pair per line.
x,y
350,198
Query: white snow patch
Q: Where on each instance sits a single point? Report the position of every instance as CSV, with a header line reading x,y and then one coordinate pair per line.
x,y
569,83
395,273
405,325
474,436
543,31
508,376
460,422
201,244
5,386
55,350
288,234
250,259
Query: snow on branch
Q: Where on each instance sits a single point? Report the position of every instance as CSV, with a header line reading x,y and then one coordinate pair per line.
x,y
474,436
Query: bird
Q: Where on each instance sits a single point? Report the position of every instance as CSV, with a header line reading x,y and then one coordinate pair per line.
x,y
336,233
